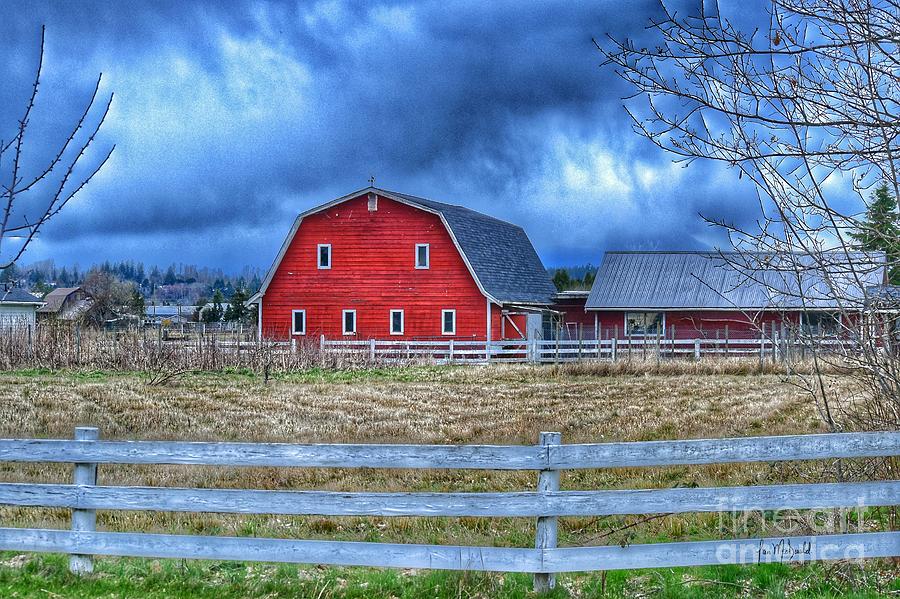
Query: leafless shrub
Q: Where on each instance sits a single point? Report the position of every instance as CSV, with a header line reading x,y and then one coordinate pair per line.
x,y
57,346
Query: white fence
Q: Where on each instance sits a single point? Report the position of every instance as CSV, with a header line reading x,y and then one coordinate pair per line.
x,y
557,351
546,504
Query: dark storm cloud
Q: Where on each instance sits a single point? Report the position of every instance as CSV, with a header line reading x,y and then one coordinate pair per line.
x,y
231,118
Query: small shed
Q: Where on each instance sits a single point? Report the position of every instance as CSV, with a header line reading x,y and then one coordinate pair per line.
x,y
65,304
17,308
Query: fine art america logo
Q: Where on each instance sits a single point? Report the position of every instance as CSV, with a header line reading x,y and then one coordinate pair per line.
x,y
790,535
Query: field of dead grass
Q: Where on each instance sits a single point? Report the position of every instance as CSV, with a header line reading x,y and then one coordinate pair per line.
x,y
413,405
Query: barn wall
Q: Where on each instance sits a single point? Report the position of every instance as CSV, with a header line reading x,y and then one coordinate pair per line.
x,y
699,324
574,319
373,271
506,330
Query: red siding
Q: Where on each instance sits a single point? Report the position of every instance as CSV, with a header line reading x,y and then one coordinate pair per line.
x,y
502,321
373,271
698,324
574,320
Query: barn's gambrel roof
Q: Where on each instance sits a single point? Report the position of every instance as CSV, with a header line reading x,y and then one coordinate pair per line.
x,y
730,280
54,300
499,254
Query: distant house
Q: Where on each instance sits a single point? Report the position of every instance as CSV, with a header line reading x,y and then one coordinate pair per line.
x,y
168,315
17,308
387,265
705,294
65,304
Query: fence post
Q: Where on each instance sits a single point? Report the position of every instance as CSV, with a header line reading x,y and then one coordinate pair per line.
x,y
545,537
697,349
450,352
78,345
762,347
615,348
372,350
84,520
580,339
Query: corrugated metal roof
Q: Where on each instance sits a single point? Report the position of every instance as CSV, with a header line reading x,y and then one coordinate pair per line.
x,y
731,280
17,296
500,253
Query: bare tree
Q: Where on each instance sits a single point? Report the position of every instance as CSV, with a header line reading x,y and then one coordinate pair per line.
x,y
29,200
805,106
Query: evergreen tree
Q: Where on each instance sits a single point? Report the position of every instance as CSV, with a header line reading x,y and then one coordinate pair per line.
x,y
880,232
63,279
237,309
10,274
589,278
215,312
136,304
561,279
170,278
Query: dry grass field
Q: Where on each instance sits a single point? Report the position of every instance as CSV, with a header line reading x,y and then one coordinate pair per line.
x,y
413,405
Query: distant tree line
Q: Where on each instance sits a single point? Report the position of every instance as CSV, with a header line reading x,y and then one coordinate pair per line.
x,y
573,277
175,284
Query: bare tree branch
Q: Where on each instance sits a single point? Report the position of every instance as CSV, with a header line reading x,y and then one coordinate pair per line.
x,y
44,198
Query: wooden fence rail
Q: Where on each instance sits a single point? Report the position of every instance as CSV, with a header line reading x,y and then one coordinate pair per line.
x,y
547,503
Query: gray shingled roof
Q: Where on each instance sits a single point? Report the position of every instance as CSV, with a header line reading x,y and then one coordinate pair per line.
x,y
500,253
17,296
673,280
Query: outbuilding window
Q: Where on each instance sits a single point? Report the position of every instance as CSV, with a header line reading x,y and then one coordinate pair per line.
x,y
821,323
423,257
396,322
298,322
448,322
349,318
645,323
324,255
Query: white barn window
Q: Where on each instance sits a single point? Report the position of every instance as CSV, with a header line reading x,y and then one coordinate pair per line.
x,y
423,256
349,322
448,322
645,323
396,322
324,256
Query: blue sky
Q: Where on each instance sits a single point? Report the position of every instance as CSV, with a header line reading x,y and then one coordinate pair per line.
x,y
231,118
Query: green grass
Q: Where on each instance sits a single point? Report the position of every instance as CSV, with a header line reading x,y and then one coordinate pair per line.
x,y
48,576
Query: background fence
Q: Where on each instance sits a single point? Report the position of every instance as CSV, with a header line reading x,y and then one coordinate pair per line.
x,y
549,457
557,351
202,348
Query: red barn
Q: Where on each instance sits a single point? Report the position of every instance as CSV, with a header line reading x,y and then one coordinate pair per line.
x,y
378,264
708,295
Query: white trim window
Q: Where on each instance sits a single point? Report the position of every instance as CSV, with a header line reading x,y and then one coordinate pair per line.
x,y
396,322
423,256
323,256
298,322
448,322
348,322
644,324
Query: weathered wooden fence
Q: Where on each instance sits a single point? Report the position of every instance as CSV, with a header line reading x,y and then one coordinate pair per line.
x,y
546,504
